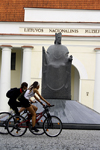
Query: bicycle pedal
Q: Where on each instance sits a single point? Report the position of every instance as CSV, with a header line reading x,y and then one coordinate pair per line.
x,y
37,123
18,129
5,127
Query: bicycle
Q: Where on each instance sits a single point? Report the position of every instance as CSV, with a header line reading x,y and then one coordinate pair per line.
x,y
50,125
4,116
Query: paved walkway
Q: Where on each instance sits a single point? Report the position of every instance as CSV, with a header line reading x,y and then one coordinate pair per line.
x,y
67,140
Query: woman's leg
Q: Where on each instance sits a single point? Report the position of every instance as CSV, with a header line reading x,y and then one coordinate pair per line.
x,y
32,111
35,108
23,108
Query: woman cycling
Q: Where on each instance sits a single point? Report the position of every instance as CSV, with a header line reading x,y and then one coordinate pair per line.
x,y
31,91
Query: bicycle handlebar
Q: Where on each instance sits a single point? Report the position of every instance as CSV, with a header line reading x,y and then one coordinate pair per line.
x,y
51,105
48,106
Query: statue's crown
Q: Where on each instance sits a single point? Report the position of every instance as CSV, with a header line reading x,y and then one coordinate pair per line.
x,y
58,34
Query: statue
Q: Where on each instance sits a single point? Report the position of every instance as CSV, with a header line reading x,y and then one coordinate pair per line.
x,y
56,71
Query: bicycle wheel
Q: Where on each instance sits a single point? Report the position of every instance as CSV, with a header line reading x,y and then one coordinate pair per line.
x,y
4,116
39,125
52,126
16,125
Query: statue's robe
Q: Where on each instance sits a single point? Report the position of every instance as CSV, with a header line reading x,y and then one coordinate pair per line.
x,y
56,73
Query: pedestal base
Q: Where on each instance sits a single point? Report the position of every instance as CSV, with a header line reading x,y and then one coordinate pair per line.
x,y
73,114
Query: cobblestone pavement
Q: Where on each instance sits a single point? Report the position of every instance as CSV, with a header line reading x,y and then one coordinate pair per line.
x,y
67,140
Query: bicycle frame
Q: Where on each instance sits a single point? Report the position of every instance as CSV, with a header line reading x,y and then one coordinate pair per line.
x,y
38,117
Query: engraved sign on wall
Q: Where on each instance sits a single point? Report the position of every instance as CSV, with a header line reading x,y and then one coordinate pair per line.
x,y
64,31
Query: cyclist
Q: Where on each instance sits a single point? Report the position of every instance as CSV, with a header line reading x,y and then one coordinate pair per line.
x,y
12,101
31,91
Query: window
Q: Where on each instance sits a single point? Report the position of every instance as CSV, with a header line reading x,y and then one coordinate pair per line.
x,y
13,61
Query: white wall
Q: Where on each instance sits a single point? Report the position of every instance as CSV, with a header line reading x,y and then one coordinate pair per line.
x,y
61,15
81,47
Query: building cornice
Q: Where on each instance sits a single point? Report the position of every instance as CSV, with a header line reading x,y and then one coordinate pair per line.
x,y
5,46
27,46
46,35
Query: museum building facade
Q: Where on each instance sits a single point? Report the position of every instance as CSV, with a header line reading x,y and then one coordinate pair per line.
x,y
23,35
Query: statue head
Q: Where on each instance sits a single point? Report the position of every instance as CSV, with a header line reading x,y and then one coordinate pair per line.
x,y
58,38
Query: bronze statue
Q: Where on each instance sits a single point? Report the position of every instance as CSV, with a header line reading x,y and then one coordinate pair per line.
x,y
56,71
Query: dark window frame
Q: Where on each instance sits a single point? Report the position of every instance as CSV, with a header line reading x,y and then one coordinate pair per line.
x,y
13,61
